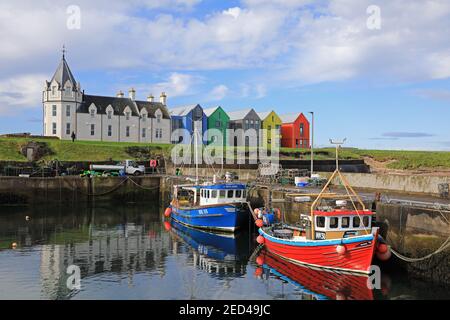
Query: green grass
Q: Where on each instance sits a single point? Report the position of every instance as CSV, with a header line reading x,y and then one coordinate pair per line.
x,y
101,151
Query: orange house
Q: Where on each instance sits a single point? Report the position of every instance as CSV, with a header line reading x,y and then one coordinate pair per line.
x,y
295,131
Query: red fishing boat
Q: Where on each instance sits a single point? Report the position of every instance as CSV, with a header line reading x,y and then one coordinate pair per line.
x,y
336,234
320,283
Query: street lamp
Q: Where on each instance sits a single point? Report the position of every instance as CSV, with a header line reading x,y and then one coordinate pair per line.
x,y
312,142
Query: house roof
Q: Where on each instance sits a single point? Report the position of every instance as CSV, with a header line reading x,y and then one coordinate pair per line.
x,y
264,115
62,74
101,103
151,108
239,114
289,118
182,111
208,112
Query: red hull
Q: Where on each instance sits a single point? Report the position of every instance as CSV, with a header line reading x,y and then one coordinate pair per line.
x,y
323,282
357,257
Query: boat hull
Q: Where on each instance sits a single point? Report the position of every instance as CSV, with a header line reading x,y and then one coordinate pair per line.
x,y
323,284
357,257
225,218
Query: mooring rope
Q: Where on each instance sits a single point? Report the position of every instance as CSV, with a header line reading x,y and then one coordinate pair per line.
x,y
145,188
444,246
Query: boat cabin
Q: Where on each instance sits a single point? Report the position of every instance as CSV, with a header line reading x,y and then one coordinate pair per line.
x,y
342,223
210,195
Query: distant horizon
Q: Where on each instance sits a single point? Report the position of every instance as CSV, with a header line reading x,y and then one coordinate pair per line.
x,y
375,77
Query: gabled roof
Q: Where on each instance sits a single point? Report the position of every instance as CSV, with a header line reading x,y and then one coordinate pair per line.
x,y
289,118
151,108
239,114
264,115
208,112
63,74
101,103
182,111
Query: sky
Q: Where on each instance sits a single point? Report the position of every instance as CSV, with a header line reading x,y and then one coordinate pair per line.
x,y
378,76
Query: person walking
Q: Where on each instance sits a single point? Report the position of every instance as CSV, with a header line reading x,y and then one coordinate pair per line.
x,y
73,136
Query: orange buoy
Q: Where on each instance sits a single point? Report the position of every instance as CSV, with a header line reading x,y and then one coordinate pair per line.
x,y
260,239
167,226
259,223
384,256
260,260
258,272
382,248
168,212
340,249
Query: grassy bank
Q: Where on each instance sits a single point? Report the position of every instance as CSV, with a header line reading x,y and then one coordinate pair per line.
x,y
100,151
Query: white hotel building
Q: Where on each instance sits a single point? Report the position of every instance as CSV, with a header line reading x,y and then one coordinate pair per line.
x,y
68,109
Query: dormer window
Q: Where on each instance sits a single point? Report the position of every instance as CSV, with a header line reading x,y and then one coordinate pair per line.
x,y
144,117
92,113
109,114
127,115
54,90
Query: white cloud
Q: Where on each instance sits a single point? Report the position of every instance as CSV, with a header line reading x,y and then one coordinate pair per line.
x,y
234,12
21,92
176,85
218,93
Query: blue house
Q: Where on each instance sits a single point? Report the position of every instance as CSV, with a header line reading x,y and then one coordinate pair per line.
x,y
188,118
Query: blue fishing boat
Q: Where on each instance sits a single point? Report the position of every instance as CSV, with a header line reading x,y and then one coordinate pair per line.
x,y
216,206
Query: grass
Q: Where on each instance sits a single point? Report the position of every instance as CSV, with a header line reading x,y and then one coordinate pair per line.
x,y
101,151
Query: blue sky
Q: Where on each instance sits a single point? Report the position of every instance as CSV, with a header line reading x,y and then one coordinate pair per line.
x,y
380,88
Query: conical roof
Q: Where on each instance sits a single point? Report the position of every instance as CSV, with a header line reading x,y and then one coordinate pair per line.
x,y
63,74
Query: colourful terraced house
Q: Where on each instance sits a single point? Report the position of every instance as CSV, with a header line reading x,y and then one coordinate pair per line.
x,y
218,119
271,122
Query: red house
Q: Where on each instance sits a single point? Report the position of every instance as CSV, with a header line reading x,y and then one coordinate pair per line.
x,y
295,131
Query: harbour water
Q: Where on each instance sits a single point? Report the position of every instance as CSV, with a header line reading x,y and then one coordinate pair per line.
x,y
132,252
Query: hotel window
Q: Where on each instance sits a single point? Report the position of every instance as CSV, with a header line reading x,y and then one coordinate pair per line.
x,y
54,127
67,128
127,131
247,125
301,129
269,128
54,110
158,118
67,111
218,124
92,129
144,117
53,90
127,115
143,132
92,113
109,130
109,114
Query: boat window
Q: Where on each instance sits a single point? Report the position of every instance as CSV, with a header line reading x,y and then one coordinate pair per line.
x,y
244,194
214,194
320,222
238,193
207,193
222,194
366,221
345,223
334,222
230,194
356,222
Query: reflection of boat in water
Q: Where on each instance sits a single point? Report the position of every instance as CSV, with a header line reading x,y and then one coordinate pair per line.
x,y
216,253
320,283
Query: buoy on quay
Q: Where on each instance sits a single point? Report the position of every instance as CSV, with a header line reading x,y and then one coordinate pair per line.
x,y
168,212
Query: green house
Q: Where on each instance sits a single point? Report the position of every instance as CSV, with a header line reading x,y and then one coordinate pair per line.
x,y
217,119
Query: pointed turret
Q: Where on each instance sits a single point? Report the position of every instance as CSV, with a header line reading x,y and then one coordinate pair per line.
x,y
63,74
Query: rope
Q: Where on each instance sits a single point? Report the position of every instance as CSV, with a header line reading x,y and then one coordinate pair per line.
x,y
444,246
145,188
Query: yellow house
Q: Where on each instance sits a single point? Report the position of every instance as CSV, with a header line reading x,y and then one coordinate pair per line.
x,y
271,122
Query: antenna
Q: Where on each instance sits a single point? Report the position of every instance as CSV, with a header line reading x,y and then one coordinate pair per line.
x,y
338,144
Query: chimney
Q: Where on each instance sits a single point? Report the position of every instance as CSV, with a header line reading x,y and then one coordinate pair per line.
x,y
150,98
132,94
120,94
163,98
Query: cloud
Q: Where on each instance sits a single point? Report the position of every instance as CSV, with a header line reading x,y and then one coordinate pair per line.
x,y
218,93
435,94
407,135
21,92
176,85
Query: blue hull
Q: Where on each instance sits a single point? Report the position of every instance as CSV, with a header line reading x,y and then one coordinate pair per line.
x,y
227,218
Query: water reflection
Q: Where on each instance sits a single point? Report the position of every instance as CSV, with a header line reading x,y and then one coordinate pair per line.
x,y
131,252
